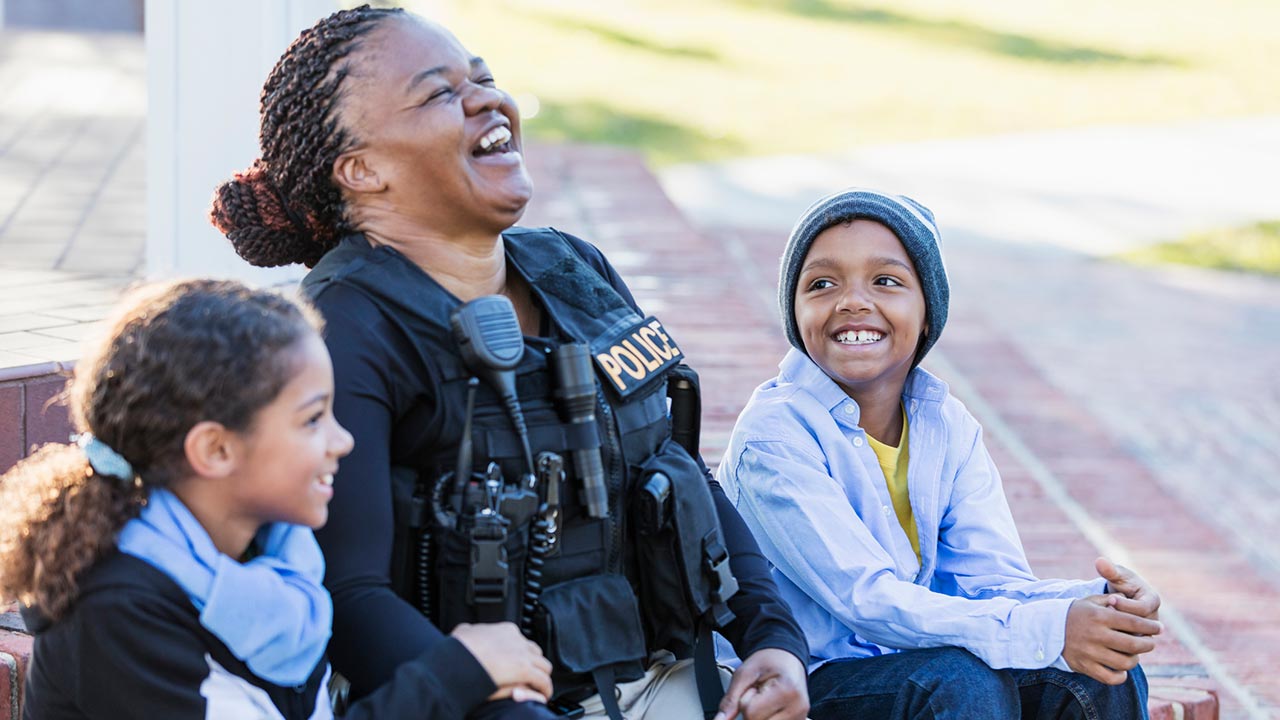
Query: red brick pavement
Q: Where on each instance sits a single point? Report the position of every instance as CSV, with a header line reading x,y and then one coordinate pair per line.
x,y
1075,492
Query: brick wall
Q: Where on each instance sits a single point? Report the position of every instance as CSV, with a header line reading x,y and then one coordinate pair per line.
x,y
29,416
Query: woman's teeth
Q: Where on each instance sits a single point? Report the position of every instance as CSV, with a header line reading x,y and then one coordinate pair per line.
x,y
496,137
858,337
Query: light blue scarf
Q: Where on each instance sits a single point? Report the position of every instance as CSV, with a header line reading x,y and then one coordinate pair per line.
x,y
271,612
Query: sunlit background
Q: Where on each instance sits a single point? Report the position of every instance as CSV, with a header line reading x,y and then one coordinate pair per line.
x,y
699,80
1106,174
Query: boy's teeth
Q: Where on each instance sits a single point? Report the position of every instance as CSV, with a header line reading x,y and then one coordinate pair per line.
x,y
326,479
858,337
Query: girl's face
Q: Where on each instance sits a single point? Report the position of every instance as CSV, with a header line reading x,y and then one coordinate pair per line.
x,y
434,127
290,452
860,307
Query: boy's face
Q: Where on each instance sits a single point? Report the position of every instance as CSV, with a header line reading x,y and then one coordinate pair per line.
x,y
860,308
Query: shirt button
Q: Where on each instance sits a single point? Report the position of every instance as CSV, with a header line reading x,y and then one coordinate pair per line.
x,y
1040,654
849,410
885,509
857,442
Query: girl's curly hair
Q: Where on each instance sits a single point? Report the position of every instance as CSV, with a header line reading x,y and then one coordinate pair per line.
x,y
174,354
285,208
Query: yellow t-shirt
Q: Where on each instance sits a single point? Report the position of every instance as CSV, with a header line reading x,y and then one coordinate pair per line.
x,y
893,462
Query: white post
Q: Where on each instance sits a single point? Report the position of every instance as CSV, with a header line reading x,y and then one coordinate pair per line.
x,y
206,62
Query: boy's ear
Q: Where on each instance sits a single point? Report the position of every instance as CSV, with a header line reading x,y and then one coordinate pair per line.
x,y
354,172
211,449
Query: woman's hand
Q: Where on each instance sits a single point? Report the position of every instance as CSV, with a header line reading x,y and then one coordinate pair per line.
x,y
514,664
770,685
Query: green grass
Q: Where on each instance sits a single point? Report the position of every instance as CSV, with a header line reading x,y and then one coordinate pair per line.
x,y
686,80
1252,248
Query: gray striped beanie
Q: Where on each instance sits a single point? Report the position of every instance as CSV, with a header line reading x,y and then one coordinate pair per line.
x,y
908,219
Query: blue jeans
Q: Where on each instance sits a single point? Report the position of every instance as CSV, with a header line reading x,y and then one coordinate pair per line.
x,y
953,683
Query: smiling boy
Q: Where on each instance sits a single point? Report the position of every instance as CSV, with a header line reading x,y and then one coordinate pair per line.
x,y
870,491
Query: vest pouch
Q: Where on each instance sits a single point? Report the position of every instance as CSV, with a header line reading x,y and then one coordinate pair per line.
x,y
478,578
684,575
589,624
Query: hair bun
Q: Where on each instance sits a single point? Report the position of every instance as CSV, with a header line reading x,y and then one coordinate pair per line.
x,y
251,212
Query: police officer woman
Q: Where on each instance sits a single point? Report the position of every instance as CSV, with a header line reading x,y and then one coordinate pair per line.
x,y
392,166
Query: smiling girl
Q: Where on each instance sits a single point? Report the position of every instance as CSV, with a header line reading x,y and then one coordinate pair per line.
x,y
165,559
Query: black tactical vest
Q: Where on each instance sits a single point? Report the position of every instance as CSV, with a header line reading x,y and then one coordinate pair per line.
x,y
611,589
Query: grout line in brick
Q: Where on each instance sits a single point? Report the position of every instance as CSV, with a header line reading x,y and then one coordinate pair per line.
x,y
34,182
91,204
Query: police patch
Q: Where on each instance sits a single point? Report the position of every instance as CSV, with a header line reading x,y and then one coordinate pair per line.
x,y
636,356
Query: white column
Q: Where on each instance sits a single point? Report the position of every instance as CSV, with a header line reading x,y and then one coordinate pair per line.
x,y
206,62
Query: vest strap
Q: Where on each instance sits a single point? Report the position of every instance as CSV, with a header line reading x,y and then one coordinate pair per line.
x,y
607,686
707,672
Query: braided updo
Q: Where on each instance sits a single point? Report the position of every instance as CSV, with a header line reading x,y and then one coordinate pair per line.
x,y
285,208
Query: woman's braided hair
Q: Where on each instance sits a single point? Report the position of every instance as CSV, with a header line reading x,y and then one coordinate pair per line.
x,y
173,355
285,208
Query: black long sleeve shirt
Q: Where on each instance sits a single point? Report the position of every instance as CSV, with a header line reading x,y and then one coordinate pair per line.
x,y
378,395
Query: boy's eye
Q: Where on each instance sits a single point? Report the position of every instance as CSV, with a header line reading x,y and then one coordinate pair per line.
x,y
821,284
887,280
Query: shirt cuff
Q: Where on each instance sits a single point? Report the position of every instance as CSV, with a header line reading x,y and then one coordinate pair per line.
x,y
459,672
1044,625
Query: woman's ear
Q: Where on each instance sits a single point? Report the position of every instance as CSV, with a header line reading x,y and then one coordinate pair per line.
x,y
211,449
354,173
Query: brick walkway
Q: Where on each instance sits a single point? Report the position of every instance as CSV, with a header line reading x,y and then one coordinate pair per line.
x,y
1075,490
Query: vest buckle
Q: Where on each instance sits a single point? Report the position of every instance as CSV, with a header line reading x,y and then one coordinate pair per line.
x,y
488,582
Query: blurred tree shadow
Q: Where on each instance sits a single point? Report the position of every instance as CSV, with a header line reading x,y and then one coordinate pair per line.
x,y
662,141
624,38
958,32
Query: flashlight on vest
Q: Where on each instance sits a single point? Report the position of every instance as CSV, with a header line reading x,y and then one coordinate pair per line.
x,y
576,391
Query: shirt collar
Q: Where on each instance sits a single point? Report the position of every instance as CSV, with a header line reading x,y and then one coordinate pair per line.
x,y
798,368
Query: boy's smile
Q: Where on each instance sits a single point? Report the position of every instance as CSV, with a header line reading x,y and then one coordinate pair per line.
x,y
860,308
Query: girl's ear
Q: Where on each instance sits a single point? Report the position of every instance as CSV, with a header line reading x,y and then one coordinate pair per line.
x,y
210,449
353,172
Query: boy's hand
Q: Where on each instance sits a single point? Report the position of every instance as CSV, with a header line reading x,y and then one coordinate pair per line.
x,y
770,685
1139,598
1103,642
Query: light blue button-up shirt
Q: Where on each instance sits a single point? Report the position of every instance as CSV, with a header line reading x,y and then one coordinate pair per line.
x,y
810,487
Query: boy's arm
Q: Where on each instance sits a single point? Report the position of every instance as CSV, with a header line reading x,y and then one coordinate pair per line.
x,y
806,526
979,552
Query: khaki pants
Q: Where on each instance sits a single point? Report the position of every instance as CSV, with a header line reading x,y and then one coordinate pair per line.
x,y
668,691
